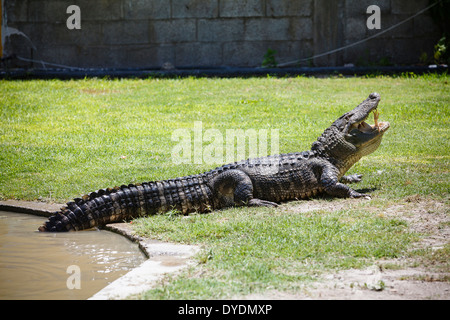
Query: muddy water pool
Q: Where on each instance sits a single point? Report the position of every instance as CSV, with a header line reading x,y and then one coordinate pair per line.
x,y
70,265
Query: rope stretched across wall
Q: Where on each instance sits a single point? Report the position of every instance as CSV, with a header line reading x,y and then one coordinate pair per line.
x,y
286,64
44,63
281,65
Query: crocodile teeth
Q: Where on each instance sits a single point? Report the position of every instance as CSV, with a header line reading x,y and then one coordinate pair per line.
x,y
376,114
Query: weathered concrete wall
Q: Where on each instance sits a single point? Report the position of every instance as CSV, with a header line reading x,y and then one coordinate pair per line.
x,y
148,33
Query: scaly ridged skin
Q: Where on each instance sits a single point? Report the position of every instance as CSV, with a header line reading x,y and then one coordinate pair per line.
x,y
186,194
254,182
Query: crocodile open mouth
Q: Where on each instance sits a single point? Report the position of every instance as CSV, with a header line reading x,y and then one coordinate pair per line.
x,y
367,128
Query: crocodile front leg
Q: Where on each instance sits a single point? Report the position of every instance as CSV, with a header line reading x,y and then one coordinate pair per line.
x,y
330,182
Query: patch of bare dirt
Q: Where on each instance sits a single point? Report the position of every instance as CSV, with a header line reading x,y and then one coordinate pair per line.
x,y
424,216
424,277
371,284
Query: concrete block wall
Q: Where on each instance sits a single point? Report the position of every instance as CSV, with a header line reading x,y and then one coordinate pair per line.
x,y
205,33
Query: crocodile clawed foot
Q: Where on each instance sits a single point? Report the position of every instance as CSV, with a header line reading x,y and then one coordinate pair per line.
x,y
261,203
355,194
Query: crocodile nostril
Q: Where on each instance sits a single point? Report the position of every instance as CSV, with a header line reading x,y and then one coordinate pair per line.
x,y
374,95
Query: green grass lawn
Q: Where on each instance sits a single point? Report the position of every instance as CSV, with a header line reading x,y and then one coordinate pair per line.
x,y
62,139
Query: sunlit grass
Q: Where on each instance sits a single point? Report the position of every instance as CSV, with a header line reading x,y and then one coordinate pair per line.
x,y
62,139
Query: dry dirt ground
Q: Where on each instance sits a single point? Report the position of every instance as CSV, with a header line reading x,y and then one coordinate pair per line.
x,y
426,276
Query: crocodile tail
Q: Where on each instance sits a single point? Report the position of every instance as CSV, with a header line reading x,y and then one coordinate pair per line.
x,y
188,194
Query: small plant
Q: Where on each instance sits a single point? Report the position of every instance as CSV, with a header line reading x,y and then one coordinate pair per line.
x,y
206,256
423,58
440,51
385,62
172,214
269,59
377,286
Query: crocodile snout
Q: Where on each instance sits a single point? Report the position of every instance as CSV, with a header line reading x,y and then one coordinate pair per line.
x,y
374,95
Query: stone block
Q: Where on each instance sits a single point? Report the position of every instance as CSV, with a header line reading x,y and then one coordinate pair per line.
x,y
89,34
15,11
66,55
289,8
56,11
278,29
244,53
31,34
198,54
58,34
239,8
328,31
220,30
424,26
408,51
290,51
101,56
396,51
364,54
355,29
251,53
145,9
18,44
125,32
172,31
99,10
404,30
408,7
301,28
195,9
149,56
50,11
267,29
357,9
305,51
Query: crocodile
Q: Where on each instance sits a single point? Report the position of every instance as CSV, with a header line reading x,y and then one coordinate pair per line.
x,y
266,181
